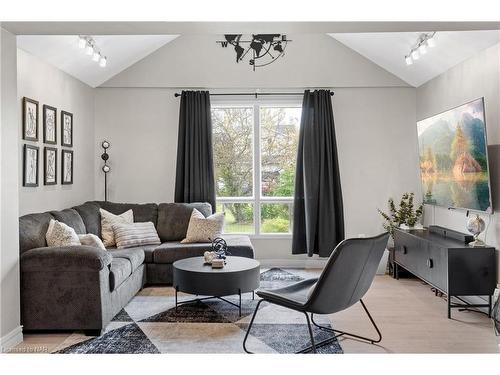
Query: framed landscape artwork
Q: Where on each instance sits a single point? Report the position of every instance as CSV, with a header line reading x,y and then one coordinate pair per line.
x,y
66,129
50,166
67,167
49,124
30,119
30,166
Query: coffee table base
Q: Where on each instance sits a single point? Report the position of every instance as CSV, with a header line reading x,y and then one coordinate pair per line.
x,y
177,302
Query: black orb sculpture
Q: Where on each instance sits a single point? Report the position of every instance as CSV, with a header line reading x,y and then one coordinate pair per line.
x,y
219,247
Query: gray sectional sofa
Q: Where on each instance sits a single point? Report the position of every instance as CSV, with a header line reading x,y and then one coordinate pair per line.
x,y
83,288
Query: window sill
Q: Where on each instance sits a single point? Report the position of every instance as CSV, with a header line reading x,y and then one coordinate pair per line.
x,y
270,236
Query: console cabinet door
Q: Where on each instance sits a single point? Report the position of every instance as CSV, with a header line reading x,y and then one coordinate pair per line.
x,y
410,253
437,265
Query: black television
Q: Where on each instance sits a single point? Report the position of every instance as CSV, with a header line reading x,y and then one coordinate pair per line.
x,y
453,158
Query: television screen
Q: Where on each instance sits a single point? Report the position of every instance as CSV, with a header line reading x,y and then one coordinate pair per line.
x,y
454,158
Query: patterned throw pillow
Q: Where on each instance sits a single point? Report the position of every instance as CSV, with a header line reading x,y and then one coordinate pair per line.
x,y
135,234
60,234
108,220
203,229
90,239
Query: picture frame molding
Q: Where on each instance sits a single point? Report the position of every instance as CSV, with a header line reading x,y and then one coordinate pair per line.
x,y
25,154
63,113
27,100
45,153
63,182
45,106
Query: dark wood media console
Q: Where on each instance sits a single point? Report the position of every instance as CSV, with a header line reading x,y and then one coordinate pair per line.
x,y
447,264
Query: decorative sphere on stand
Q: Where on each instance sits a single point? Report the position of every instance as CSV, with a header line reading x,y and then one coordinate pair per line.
x,y
476,225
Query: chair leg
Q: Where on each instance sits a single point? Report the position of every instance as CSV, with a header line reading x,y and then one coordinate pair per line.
x,y
313,345
371,340
250,327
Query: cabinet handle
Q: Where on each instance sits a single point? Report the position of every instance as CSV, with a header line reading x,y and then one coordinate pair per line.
x,y
430,263
405,250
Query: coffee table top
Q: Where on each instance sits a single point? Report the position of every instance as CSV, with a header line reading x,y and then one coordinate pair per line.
x,y
234,264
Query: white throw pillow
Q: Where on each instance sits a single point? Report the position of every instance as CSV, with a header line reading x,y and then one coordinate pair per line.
x,y
108,220
203,229
90,239
60,234
135,234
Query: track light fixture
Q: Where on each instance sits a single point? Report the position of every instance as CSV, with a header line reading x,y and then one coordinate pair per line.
x,y
88,44
421,47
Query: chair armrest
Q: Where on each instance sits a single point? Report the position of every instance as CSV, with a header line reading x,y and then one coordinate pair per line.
x,y
65,258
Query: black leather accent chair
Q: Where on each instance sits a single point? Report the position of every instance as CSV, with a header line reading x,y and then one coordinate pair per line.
x,y
345,279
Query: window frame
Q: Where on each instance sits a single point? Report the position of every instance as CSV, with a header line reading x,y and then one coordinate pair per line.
x,y
257,198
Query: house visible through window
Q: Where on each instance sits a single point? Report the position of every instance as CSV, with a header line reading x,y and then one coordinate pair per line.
x,y
255,151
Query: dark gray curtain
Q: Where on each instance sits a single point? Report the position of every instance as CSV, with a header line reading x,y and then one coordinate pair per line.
x,y
318,210
194,180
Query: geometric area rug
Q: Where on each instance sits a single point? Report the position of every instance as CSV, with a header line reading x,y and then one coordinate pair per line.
x,y
150,324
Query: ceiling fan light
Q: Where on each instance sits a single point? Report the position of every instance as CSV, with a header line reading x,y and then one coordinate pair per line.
x,y
408,60
103,62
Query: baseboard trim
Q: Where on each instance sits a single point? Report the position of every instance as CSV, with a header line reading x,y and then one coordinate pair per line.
x,y
11,339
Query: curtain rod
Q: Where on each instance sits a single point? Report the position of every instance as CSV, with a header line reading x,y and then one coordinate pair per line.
x,y
256,94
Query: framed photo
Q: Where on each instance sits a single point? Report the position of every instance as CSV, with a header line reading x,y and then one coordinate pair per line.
x,y
30,166
30,119
67,167
49,124
66,129
50,166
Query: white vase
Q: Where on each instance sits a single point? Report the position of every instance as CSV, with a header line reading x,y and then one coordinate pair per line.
x,y
415,227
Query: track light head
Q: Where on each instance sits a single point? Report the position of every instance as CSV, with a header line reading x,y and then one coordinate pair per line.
x,y
431,42
103,62
415,55
89,50
82,42
408,60
422,49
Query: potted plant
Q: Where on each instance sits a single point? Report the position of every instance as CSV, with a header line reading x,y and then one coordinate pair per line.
x,y
404,217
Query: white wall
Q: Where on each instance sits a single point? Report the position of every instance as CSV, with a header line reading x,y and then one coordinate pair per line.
x,y
10,330
48,85
476,77
374,115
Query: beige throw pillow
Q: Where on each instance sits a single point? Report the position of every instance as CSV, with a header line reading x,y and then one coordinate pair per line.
x,y
60,234
135,234
108,220
90,239
203,229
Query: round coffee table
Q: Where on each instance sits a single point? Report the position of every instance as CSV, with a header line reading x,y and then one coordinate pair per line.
x,y
193,276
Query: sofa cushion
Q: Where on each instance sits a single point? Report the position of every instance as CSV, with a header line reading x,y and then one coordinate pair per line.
x,y
135,234
32,230
59,235
120,270
71,218
173,219
134,255
147,250
169,252
142,212
89,212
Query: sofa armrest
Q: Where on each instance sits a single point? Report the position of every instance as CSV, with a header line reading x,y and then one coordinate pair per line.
x,y
66,258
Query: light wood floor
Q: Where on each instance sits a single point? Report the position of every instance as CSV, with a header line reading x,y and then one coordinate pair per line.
x,y
410,317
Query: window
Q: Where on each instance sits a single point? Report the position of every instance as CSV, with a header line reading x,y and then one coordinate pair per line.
x,y
255,151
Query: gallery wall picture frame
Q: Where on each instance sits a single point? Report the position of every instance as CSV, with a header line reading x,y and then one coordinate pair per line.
x,y
49,124
30,119
30,165
66,167
66,129
50,166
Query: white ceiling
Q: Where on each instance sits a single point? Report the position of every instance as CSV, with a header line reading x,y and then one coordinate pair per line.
x,y
389,49
121,51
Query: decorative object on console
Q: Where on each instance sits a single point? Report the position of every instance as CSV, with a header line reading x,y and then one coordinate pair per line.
x,y
454,158
50,166
67,167
404,217
49,124
135,234
265,48
476,226
30,166
59,234
30,119
203,229
108,220
66,129
105,168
